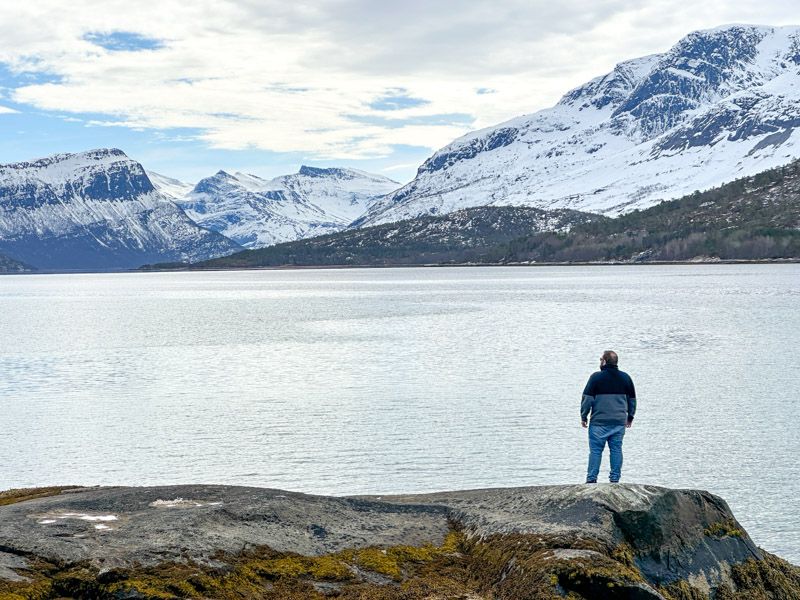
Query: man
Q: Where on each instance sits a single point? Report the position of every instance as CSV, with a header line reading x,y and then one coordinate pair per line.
x,y
610,398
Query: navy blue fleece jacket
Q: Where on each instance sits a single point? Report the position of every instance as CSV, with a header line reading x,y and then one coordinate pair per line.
x,y
609,397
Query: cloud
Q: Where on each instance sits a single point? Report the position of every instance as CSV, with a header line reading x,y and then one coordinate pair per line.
x,y
5,110
332,78
400,167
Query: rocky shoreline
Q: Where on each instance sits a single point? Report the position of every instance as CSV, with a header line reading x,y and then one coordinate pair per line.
x,y
622,541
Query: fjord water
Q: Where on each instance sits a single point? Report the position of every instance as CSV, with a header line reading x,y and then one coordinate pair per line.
x,y
404,380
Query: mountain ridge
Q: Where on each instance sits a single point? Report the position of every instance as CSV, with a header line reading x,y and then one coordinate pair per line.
x,y
94,210
721,103
752,218
257,212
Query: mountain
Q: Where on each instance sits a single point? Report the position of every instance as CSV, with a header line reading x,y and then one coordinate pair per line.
x,y
257,212
752,218
95,210
460,236
9,265
169,186
721,104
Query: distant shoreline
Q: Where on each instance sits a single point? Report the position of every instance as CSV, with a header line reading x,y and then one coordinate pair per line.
x,y
515,264
776,261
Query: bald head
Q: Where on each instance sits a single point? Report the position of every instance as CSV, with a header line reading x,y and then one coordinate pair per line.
x,y
610,358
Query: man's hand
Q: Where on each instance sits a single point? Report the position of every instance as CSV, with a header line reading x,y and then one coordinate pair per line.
x,y
584,424
629,424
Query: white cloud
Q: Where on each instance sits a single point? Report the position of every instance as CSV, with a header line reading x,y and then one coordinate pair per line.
x,y
290,76
400,167
5,110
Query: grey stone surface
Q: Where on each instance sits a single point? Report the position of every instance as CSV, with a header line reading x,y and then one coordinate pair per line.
x,y
666,528
116,527
9,563
113,527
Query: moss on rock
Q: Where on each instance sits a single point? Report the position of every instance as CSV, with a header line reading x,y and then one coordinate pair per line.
x,y
463,567
729,528
21,495
771,578
411,572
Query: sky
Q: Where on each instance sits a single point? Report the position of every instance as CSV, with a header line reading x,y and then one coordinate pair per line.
x,y
263,86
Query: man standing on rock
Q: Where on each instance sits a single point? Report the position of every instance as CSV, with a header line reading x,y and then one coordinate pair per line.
x,y
610,398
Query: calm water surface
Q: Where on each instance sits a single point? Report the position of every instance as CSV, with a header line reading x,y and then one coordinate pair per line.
x,y
405,380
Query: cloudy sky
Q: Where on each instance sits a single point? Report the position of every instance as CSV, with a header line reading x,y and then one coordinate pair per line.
x,y
263,86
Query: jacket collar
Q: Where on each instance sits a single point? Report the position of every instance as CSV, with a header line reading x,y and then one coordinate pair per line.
x,y
607,367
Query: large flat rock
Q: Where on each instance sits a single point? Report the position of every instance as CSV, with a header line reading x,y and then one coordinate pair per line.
x,y
129,525
673,535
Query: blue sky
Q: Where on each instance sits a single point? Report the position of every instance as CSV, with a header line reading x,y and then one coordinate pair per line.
x,y
263,87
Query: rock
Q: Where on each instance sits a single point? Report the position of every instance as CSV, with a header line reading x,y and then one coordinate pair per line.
x,y
615,541
671,532
10,564
120,527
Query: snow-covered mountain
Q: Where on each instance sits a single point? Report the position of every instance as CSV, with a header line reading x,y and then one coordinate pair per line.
x,y
169,186
257,212
721,104
95,210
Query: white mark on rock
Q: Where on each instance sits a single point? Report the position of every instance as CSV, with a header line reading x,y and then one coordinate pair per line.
x,y
181,503
51,518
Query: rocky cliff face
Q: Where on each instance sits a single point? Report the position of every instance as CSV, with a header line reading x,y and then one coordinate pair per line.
x,y
256,212
721,104
9,265
580,541
95,210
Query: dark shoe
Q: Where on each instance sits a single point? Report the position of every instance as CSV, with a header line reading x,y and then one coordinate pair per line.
x,y
590,481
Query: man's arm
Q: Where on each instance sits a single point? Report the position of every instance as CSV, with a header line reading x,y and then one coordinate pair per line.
x,y
631,393
587,400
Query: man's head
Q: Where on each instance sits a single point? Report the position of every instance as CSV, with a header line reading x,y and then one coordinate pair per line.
x,y
609,358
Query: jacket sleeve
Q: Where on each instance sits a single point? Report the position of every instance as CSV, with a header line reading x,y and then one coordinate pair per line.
x,y
587,400
631,393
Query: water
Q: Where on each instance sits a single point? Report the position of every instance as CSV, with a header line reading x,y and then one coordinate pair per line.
x,y
404,380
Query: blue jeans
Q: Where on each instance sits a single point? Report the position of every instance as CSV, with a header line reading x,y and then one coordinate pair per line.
x,y
598,436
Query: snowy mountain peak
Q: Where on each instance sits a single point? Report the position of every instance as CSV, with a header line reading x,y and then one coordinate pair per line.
x,y
318,172
99,174
223,181
258,212
705,66
86,156
169,186
342,174
96,209
611,89
720,104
